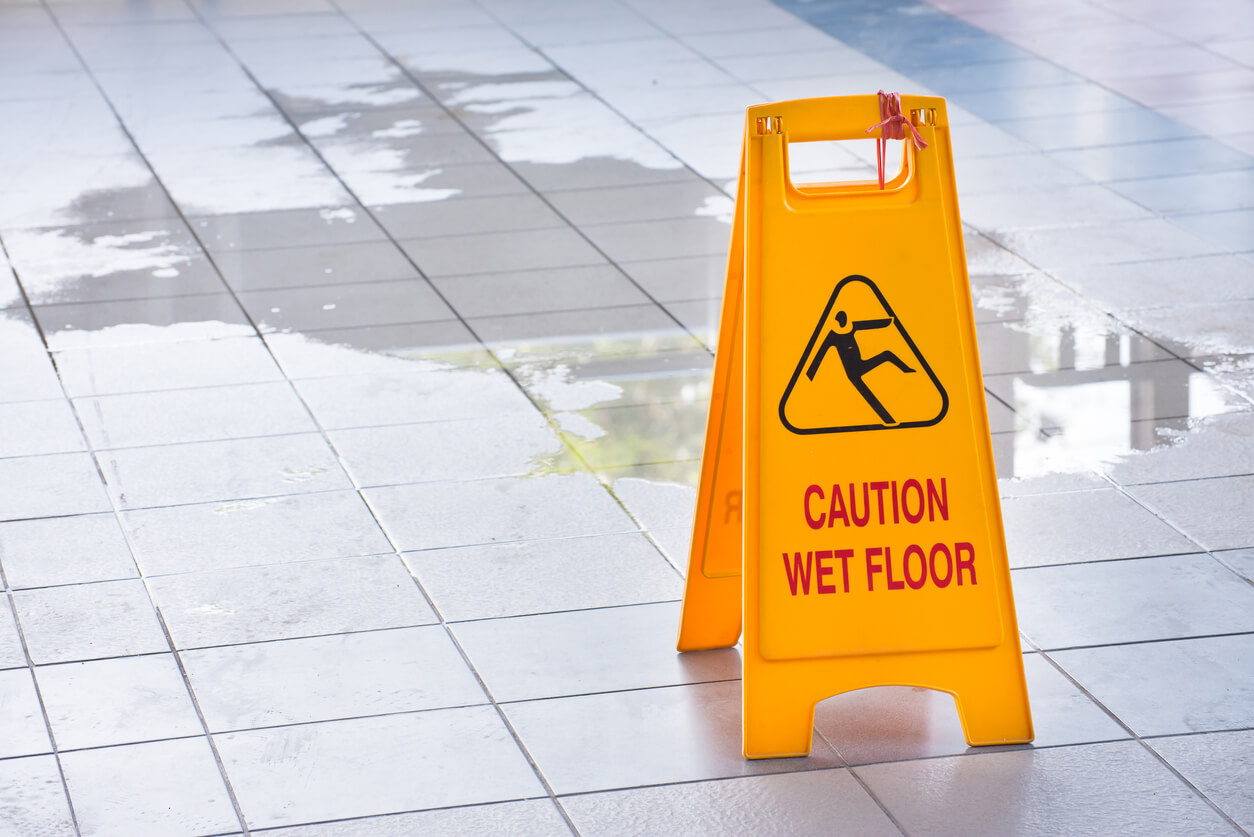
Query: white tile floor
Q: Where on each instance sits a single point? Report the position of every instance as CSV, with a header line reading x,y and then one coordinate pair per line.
x,y
354,360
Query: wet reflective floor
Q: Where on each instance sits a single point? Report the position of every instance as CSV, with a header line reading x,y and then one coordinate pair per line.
x,y
354,361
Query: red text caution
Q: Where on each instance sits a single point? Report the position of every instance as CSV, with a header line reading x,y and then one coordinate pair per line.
x,y
875,568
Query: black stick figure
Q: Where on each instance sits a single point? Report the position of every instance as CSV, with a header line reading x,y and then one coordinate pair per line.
x,y
843,338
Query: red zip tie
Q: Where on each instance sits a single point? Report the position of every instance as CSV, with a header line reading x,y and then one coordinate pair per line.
x,y
892,125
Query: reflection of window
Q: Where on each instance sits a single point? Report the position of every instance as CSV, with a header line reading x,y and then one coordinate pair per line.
x,y
1085,423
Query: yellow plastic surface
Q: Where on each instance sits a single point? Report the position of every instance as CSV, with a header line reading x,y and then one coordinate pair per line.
x,y
865,513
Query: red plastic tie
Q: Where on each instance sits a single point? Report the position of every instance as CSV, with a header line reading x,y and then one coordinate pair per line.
x,y
893,127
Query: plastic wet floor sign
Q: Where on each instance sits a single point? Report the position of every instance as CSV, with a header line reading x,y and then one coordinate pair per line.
x,y
848,477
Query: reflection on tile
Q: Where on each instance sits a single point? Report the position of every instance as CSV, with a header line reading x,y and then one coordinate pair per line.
x,y
88,621
603,650
173,787
1072,527
1113,602
434,515
895,723
638,435
646,737
33,798
232,534
301,680
356,768
544,576
284,601
228,470
528,818
789,803
1212,683
1212,512
193,415
47,486
1218,765
22,729
120,701
1108,789
64,550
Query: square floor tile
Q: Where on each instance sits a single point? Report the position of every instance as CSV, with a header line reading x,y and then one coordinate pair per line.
x,y
1212,512
646,737
28,374
345,306
233,534
434,515
88,621
511,445
1212,447
1072,527
1098,789
1218,765
544,576
403,398
501,251
46,486
639,435
1113,602
527,818
285,228
465,215
681,199
193,415
326,678
338,769
196,363
127,322
669,239
64,550
1168,688
121,701
12,655
895,723
812,802
46,427
22,728
671,280
33,798
227,470
550,289
170,787
309,598
379,349
603,650
1124,241
298,267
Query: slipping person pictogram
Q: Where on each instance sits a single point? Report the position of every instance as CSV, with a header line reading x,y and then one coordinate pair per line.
x,y
842,337
880,387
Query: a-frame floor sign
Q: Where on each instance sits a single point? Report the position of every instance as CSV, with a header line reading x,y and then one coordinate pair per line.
x,y
848,474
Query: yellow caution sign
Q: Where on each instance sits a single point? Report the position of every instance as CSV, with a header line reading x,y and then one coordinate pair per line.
x,y
848,474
